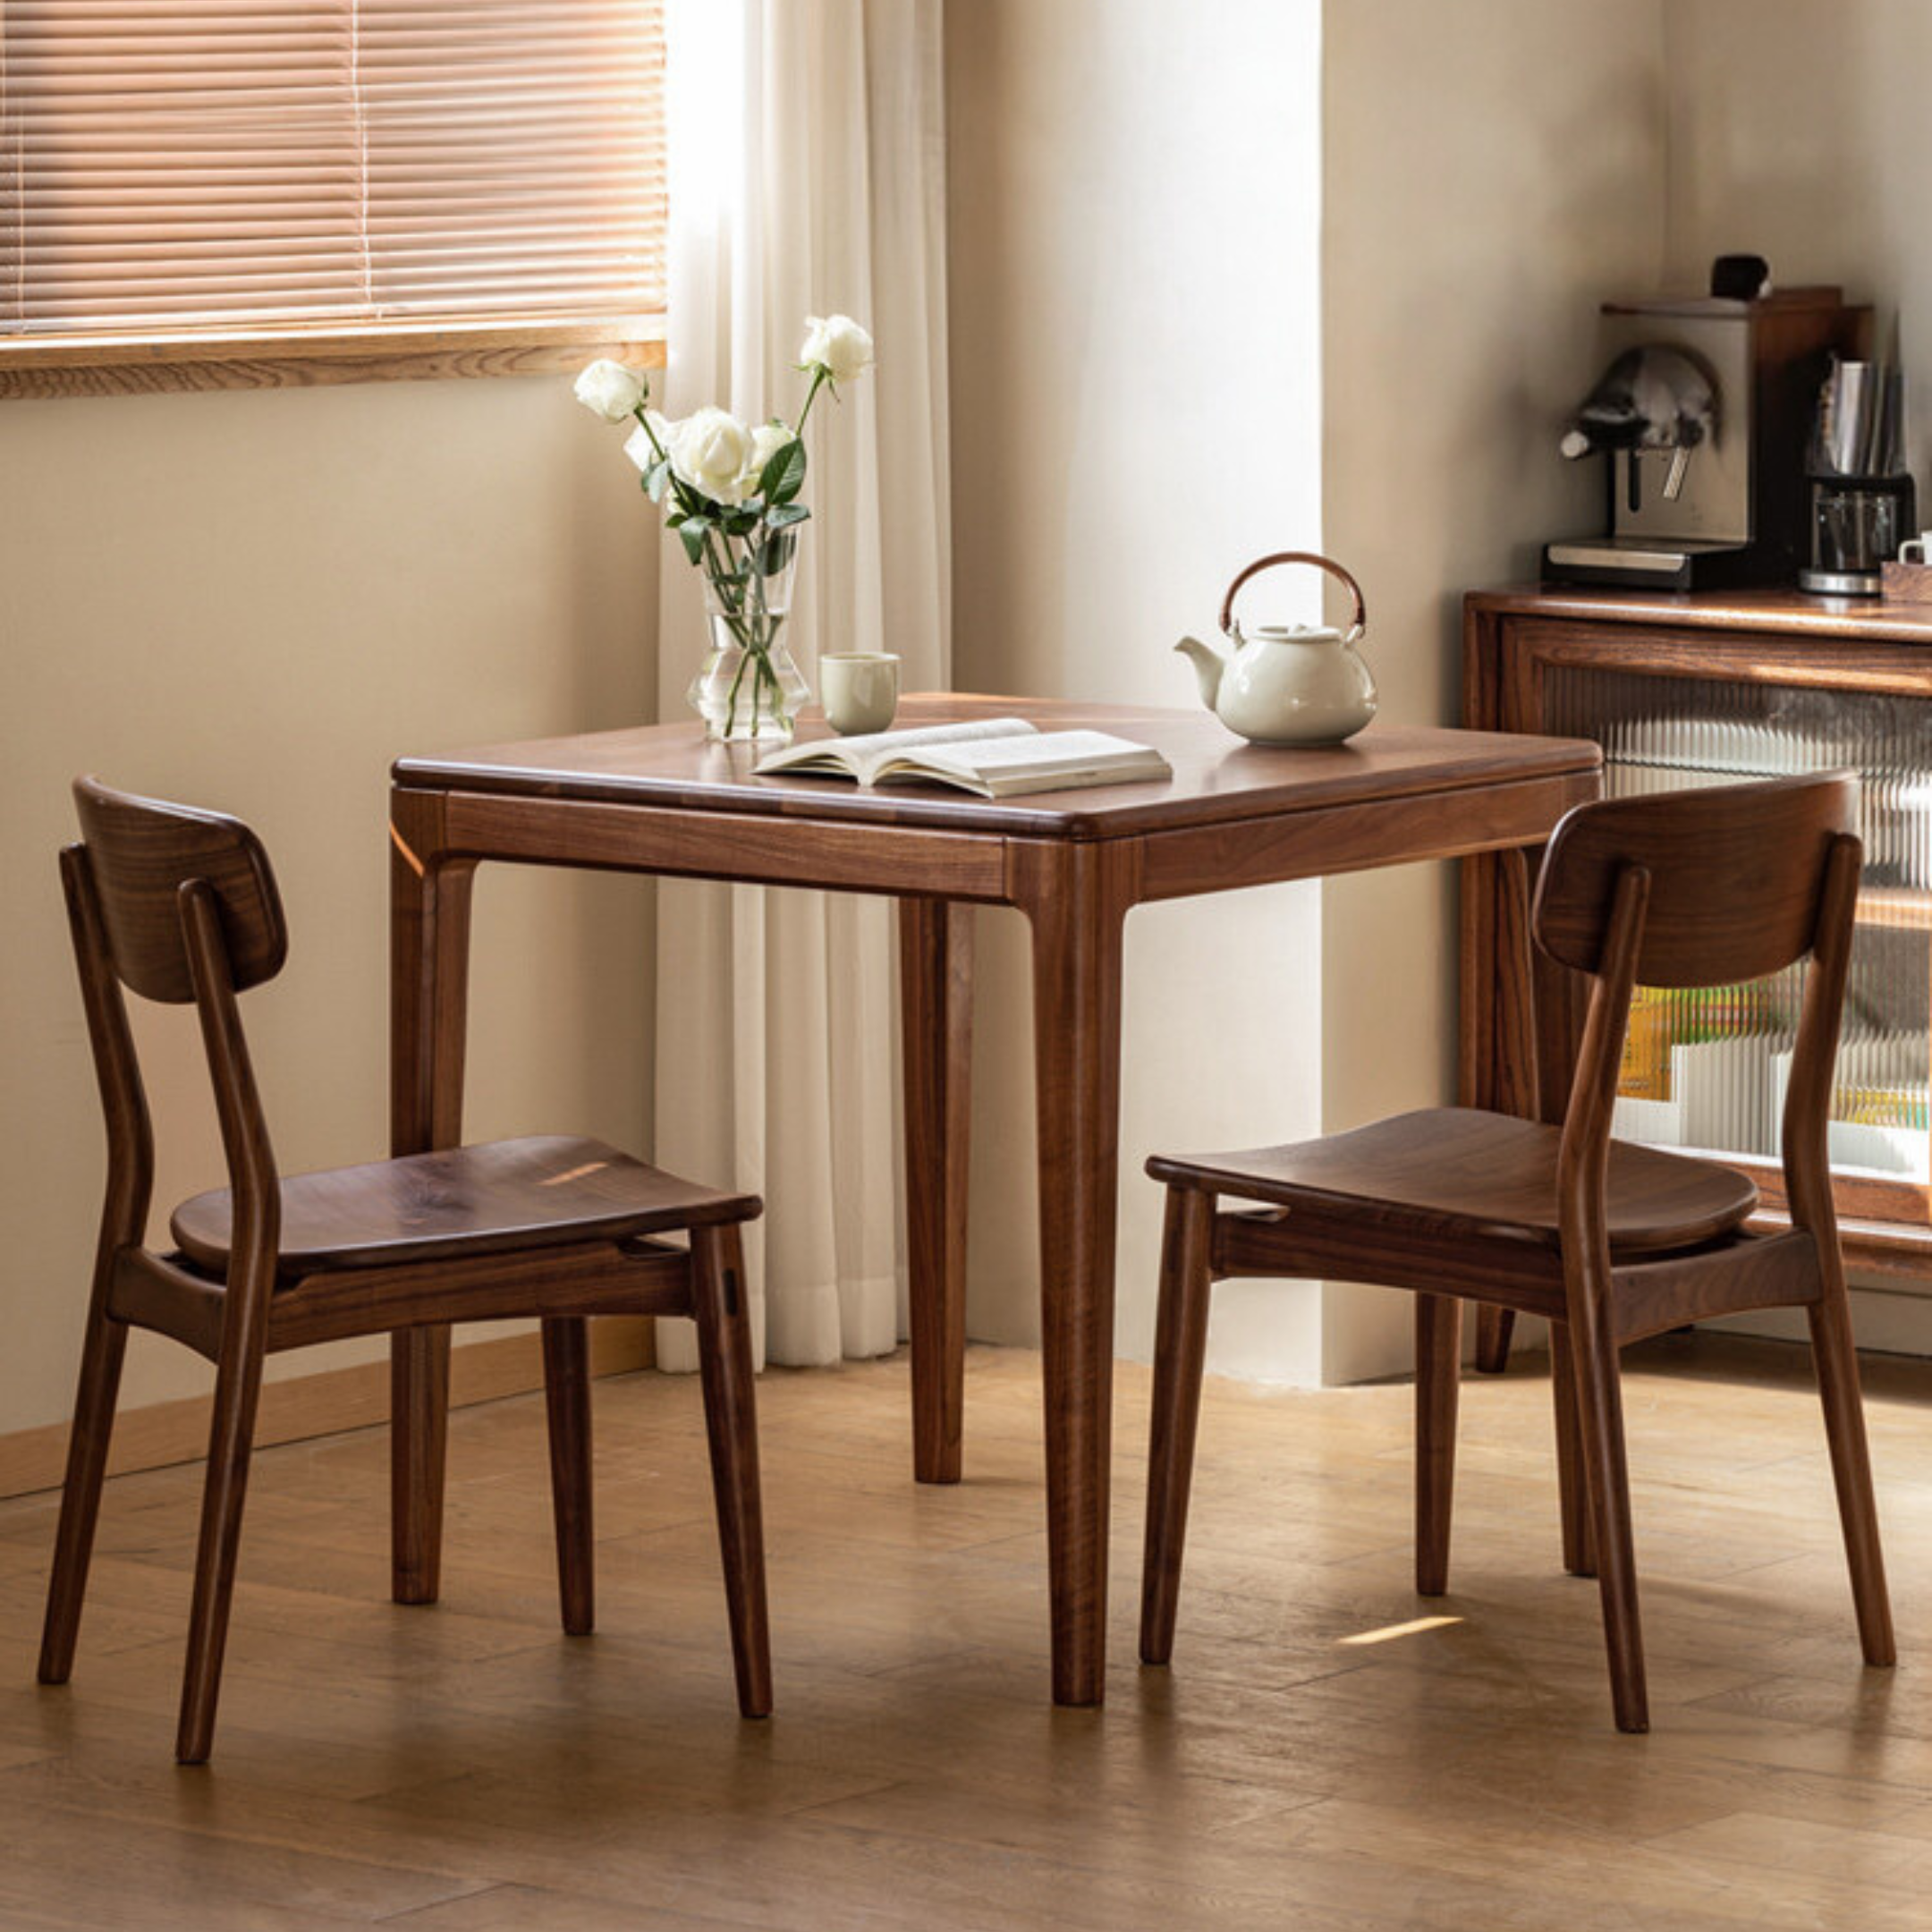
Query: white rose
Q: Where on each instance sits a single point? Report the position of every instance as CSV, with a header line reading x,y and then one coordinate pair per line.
x,y
639,446
838,346
710,451
767,440
611,389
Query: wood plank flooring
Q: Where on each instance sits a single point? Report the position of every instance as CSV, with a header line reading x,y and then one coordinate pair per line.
x,y
466,1768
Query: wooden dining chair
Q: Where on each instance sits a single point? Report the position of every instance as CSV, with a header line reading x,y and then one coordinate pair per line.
x,y
1610,1240
179,906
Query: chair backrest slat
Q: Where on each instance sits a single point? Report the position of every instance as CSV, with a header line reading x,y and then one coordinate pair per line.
x,y
1736,874
142,852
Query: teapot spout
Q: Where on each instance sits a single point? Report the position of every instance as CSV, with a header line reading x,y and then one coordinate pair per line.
x,y
1209,666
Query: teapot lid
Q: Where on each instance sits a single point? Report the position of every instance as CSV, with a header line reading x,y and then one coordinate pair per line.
x,y
1297,633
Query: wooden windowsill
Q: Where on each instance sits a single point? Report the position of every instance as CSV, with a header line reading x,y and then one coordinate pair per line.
x,y
130,365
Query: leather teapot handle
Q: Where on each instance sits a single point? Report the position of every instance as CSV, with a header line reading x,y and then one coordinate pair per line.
x,y
1294,556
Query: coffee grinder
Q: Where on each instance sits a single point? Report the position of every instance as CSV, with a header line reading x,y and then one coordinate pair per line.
x,y
1705,413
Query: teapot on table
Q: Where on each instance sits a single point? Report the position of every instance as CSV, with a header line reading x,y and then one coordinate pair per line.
x,y
1287,684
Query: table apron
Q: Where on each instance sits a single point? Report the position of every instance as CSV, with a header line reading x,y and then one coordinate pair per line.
x,y
743,847
1354,837
757,849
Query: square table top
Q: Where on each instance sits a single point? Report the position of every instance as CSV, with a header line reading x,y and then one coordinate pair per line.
x,y
1218,777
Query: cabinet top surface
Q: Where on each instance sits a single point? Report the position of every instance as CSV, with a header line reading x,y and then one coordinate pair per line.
x,y
1783,612
1216,777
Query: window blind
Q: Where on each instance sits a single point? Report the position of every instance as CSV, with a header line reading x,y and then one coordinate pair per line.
x,y
258,164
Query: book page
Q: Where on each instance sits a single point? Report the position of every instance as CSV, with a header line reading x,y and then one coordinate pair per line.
x,y
873,743
863,754
1051,761
1044,751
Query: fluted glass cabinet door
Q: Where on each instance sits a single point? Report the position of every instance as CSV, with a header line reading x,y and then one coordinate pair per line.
x,y
1707,1069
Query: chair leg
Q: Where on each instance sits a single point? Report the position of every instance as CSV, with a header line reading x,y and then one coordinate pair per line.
x,y
566,1353
731,1421
419,1445
1844,1428
86,1463
1599,1401
1180,1350
1494,1327
231,1440
1438,1331
1572,1495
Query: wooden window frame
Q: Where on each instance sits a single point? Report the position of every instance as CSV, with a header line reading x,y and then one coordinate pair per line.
x,y
304,358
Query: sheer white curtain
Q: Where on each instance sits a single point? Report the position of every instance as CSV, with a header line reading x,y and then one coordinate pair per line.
x,y
807,156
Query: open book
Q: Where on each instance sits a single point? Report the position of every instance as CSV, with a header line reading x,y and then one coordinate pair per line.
x,y
996,758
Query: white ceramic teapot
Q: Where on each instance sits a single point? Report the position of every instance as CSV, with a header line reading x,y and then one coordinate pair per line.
x,y
1287,684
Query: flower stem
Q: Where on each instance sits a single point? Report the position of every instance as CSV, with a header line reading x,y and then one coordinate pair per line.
x,y
644,421
731,703
821,376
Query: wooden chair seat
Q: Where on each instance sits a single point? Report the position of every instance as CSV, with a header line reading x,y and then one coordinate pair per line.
x,y
1452,1170
493,1198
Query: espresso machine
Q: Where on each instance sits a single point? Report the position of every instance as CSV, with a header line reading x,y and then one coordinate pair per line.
x,y
1704,415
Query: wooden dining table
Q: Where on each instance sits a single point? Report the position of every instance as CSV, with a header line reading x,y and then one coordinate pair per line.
x,y
660,801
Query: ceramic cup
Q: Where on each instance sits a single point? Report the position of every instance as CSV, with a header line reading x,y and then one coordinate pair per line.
x,y
1916,549
859,690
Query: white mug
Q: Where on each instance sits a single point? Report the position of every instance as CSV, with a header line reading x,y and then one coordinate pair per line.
x,y
859,690
1921,543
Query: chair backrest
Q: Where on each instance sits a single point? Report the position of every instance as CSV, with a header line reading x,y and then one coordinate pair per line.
x,y
141,853
180,906
1697,889
1735,873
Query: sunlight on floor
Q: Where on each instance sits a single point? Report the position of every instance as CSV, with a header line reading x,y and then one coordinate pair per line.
x,y
1389,1631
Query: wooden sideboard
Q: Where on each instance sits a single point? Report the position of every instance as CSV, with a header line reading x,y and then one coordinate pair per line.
x,y
1694,690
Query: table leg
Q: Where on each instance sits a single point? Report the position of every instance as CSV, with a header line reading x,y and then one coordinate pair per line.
x,y
936,1014
1077,897
428,968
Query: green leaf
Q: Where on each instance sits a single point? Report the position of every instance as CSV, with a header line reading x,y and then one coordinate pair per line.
x,y
691,534
740,522
782,516
655,480
783,476
774,553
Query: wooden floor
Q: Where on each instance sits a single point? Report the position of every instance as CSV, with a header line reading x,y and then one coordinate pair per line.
x,y
1305,1762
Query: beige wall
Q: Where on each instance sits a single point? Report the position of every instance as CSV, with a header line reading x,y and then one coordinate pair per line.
x,y
1135,415
1801,131
253,601
1492,173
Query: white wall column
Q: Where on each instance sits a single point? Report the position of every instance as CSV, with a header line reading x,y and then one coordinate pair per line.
x,y
1135,206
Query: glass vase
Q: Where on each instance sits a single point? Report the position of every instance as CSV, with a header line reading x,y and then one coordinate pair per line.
x,y
743,694
749,687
